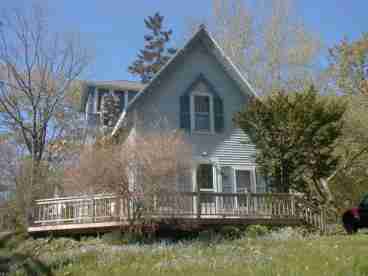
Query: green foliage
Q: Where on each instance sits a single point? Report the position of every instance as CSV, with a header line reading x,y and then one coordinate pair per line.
x,y
230,232
254,231
295,134
271,255
113,238
13,240
207,236
155,53
349,75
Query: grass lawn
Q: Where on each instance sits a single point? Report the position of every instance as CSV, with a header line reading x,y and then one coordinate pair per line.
x,y
276,254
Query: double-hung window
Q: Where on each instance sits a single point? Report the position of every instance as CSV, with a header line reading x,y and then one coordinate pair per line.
x,y
202,112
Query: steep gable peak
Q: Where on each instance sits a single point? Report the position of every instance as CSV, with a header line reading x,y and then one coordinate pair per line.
x,y
202,35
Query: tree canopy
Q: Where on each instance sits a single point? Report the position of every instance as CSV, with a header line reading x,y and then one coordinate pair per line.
x,y
295,135
349,66
349,78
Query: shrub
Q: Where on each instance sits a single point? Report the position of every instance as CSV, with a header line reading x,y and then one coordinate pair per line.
x,y
113,238
12,241
207,236
254,231
230,232
135,237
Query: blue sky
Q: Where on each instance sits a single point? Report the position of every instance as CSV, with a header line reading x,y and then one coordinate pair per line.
x,y
114,29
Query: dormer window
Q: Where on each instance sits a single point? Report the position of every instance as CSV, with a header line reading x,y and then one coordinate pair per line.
x,y
201,109
202,112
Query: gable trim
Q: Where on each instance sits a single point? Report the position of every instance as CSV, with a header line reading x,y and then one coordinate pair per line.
x,y
199,79
219,54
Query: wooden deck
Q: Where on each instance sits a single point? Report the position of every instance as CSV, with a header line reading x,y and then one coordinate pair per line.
x,y
100,213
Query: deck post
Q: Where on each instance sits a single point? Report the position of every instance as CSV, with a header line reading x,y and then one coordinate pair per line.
x,y
198,202
293,205
93,209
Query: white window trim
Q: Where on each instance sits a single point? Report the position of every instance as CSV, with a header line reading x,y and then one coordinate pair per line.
x,y
97,92
252,171
192,113
214,177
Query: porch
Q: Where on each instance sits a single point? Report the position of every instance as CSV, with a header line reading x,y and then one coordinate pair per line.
x,y
100,213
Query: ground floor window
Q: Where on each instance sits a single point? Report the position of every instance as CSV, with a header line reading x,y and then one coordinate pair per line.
x,y
205,177
243,180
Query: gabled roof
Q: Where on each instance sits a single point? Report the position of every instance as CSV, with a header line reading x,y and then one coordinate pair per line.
x,y
113,84
201,35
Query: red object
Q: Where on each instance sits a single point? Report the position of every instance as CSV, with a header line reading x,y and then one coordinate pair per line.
x,y
355,212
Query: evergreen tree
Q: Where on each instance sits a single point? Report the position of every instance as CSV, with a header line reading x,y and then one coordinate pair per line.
x,y
295,135
155,53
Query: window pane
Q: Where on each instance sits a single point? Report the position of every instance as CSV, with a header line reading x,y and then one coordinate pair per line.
x,y
202,113
101,94
205,176
202,104
243,181
121,96
202,122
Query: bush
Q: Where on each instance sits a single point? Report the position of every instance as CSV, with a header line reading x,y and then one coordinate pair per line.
x,y
230,232
113,238
207,236
13,240
254,231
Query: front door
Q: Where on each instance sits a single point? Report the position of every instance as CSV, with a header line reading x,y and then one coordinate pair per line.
x,y
243,184
243,180
205,183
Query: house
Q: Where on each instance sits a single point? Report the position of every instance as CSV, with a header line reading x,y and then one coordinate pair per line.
x,y
198,91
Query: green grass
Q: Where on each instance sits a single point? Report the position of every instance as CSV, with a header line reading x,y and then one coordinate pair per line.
x,y
272,255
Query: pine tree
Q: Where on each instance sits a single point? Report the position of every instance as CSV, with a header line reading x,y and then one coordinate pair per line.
x,y
155,53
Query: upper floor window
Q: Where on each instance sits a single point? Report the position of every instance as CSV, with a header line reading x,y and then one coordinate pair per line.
x,y
100,96
96,98
202,112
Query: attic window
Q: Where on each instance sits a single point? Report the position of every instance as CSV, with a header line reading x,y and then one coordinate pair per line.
x,y
202,112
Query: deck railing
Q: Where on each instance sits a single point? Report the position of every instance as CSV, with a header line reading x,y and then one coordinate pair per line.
x,y
208,204
79,209
203,205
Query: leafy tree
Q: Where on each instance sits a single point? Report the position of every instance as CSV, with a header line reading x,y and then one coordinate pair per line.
x,y
155,53
295,135
349,66
37,71
269,43
348,72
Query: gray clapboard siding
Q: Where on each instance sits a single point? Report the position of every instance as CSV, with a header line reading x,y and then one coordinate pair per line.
x,y
236,150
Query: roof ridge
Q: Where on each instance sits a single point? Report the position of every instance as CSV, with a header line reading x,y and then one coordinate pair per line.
x,y
239,78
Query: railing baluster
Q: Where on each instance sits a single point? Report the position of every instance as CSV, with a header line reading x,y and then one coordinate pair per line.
x,y
209,204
